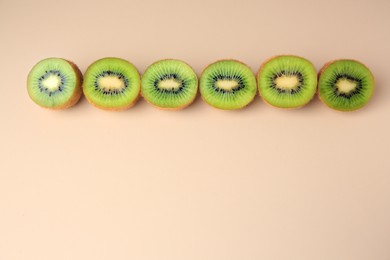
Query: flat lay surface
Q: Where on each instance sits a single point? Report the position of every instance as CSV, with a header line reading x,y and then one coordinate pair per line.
x,y
200,183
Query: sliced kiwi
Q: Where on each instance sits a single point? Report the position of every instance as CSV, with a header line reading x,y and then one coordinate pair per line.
x,y
169,84
55,83
345,85
112,84
228,85
287,81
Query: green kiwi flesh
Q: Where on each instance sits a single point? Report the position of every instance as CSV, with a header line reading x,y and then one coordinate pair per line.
x,y
345,85
112,84
54,83
227,85
287,81
169,84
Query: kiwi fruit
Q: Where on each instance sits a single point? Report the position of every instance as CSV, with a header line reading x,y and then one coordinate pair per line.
x,y
227,85
287,81
112,84
345,85
55,83
169,84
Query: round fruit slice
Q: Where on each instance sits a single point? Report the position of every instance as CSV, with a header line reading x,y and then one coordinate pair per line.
x,y
345,85
228,85
287,81
169,84
112,84
55,83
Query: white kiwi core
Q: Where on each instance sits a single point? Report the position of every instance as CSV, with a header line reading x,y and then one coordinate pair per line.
x,y
169,84
111,82
52,82
226,84
345,85
287,82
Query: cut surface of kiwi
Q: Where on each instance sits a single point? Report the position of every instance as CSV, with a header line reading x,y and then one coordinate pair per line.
x,y
345,85
169,84
54,83
112,84
287,81
228,85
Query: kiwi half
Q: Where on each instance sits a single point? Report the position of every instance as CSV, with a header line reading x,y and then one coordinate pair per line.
x,y
287,81
55,83
112,84
169,84
227,84
345,85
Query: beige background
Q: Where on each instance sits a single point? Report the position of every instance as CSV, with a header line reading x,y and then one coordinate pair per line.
x,y
145,184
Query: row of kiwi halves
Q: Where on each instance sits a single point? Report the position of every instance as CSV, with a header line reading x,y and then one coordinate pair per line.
x,y
283,81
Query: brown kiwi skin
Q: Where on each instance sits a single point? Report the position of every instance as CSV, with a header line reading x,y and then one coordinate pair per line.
x,y
174,108
258,84
201,74
318,82
76,93
117,108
